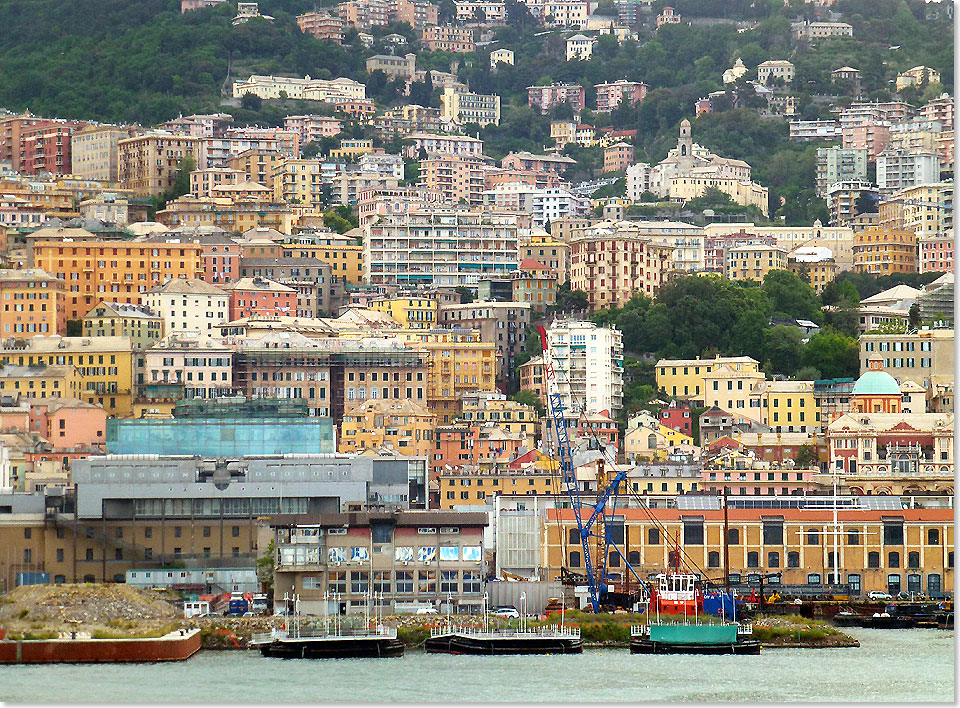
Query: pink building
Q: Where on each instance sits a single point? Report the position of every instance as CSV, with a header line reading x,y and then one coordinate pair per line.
x,y
617,157
609,96
936,254
546,97
46,148
187,5
260,296
678,417
69,423
872,137
312,128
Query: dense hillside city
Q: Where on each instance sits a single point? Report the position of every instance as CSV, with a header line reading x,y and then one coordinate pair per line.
x,y
387,298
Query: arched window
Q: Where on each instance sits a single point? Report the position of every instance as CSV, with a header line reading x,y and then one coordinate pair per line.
x,y
613,559
683,150
753,559
813,537
933,537
913,582
913,560
713,559
853,537
653,537
573,536
633,557
733,536
933,584
893,560
793,559
651,442
574,559
773,559
873,559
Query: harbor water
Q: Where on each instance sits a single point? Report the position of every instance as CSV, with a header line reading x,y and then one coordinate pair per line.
x,y
890,665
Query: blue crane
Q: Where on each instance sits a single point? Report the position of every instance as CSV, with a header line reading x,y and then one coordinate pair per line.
x,y
587,528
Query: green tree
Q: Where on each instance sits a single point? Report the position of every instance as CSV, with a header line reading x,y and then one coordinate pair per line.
x,y
832,354
466,294
265,564
251,101
782,347
791,297
807,457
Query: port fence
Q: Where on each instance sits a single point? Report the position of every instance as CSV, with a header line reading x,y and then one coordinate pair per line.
x,y
744,629
546,631
343,633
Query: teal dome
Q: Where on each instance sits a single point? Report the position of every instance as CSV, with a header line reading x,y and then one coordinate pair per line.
x,y
876,383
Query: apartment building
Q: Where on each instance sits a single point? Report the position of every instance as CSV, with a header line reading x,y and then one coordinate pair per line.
x,y
403,426
439,247
305,89
45,148
322,25
403,68
899,169
448,38
42,381
417,13
202,364
95,152
544,248
259,296
590,358
364,14
617,157
104,366
203,182
123,271
456,178
610,95
493,12
343,253
33,303
503,323
428,144
936,253
494,407
754,261
313,128
869,135
835,164
612,262
149,163
885,251
118,319
683,379
543,205
544,98
189,304
844,199
924,356
775,70
463,107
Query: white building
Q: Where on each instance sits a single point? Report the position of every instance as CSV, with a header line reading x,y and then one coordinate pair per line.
x,y
638,180
735,72
775,69
439,247
544,205
589,366
203,364
189,304
579,47
305,89
898,169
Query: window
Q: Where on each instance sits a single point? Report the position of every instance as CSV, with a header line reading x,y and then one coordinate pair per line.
x,y
913,559
793,559
893,583
773,532
573,536
853,580
235,532
633,558
426,582
359,582
613,559
753,559
893,533
713,559
337,582
672,559
450,581
913,582
893,560
933,537
813,537
933,584
853,537
733,536
693,532
471,582
381,581
404,580
653,537
574,559
873,559
814,579
773,559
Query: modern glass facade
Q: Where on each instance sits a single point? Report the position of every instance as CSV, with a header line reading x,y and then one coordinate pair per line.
x,y
220,437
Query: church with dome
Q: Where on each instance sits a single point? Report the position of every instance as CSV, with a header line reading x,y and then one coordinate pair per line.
x,y
876,391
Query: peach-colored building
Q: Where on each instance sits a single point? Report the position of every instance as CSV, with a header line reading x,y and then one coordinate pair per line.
x,y
872,137
448,38
456,178
202,182
609,96
617,157
68,423
312,128
322,26
260,296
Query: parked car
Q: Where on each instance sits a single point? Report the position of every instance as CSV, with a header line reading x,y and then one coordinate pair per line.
x,y
507,612
426,610
878,595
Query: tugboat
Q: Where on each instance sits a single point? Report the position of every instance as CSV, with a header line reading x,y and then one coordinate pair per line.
x,y
679,595
554,639
336,642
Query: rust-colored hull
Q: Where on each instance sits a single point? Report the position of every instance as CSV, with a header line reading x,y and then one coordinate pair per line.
x,y
172,647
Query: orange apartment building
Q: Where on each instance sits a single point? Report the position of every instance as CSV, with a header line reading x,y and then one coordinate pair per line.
x,y
461,445
149,163
884,251
448,38
322,26
456,177
33,303
120,271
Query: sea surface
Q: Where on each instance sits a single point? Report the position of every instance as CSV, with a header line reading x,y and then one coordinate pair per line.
x,y
890,665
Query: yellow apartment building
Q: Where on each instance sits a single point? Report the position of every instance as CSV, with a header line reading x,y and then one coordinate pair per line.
x,y
461,488
299,182
884,251
256,165
507,415
754,261
683,378
104,366
550,251
459,363
149,163
789,406
343,254
241,215
32,303
734,390
411,312
39,381
405,426
117,319
121,271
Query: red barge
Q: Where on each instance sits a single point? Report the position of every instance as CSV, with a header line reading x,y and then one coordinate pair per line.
x,y
175,646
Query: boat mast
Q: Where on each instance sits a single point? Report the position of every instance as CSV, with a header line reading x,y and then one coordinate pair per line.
x,y
726,543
